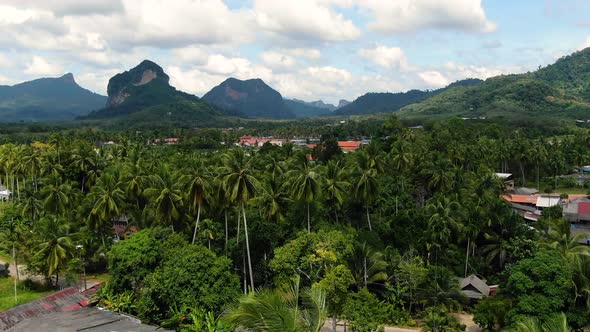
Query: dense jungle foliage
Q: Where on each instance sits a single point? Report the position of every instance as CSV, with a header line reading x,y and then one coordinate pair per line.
x,y
376,237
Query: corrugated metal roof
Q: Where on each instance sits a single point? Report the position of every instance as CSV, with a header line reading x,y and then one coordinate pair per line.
x,y
584,207
547,201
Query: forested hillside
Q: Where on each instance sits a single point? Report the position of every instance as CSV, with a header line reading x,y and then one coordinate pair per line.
x,y
386,102
560,90
47,99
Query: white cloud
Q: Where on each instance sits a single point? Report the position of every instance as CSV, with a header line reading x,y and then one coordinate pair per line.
x,y
587,43
4,80
41,67
386,57
5,61
458,71
193,55
309,53
411,15
71,7
304,20
434,79
277,60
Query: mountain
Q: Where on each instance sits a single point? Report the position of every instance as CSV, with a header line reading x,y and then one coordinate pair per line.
x,y
318,104
253,98
391,102
342,103
146,89
558,90
47,99
302,109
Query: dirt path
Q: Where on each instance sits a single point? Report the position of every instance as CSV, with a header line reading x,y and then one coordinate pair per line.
x,y
340,328
62,282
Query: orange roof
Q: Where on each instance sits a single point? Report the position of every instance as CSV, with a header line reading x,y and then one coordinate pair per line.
x,y
349,145
311,146
521,199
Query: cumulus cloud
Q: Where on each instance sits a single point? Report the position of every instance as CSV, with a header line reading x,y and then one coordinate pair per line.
x,y
386,57
433,78
41,67
411,15
5,61
587,43
308,53
277,60
71,7
304,20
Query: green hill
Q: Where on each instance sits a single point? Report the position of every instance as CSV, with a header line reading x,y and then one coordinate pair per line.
x,y
252,98
303,109
560,90
144,94
47,99
386,102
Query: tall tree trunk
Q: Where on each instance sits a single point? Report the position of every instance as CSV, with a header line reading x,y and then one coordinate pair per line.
x,y
239,222
197,223
365,270
467,255
308,219
226,231
334,321
248,248
368,217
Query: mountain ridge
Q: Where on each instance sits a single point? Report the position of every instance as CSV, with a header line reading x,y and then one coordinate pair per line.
x,y
252,98
46,99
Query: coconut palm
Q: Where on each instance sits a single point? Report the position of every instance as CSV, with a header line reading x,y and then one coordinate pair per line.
x,y
31,207
55,246
197,185
273,200
107,199
241,187
56,198
287,309
365,185
166,196
557,323
305,186
334,186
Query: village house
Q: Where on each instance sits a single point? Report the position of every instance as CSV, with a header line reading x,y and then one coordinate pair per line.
x,y
4,193
475,288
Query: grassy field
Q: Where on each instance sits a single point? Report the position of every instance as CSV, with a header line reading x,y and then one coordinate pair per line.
x,y
572,191
5,257
24,295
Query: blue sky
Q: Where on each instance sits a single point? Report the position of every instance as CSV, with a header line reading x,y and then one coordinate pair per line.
x,y
306,49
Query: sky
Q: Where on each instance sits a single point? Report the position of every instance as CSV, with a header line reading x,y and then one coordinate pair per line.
x,y
306,49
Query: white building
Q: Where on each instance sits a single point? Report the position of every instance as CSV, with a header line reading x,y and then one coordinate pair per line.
x,y
4,193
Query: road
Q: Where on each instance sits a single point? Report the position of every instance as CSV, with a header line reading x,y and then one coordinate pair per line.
x,y
62,282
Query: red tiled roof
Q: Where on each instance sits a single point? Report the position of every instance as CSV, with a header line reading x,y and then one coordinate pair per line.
x,y
584,208
522,199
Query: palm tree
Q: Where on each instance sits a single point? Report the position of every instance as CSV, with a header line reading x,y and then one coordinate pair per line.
x,y
31,207
557,323
366,187
83,161
285,309
209,231
32,163
241,186
106,199
55,246
334,186
166,195
56,198
197,185
442,221
305,185
368,266
273,200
